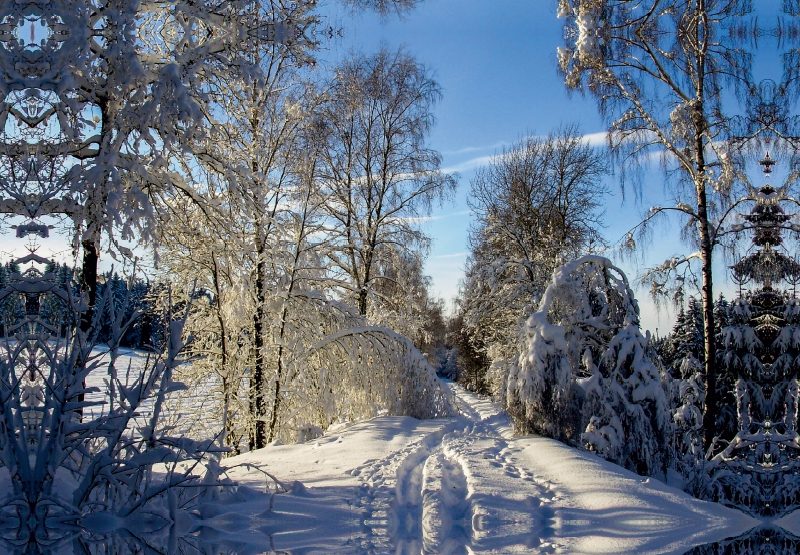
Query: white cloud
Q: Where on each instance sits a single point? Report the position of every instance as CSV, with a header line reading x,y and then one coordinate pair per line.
x,y
468,149
596,139
470,164
453,255
593,139
424,219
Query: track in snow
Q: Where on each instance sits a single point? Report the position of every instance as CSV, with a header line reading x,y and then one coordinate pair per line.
x,y
456,490
391,495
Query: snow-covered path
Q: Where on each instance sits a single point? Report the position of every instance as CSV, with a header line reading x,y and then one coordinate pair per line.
x,y
466,485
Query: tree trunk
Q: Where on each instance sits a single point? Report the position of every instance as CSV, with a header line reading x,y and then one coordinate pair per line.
x,y
707,289
88,287
89,282
258,405
229,430
258,401
701,37
363,294
709,339
362,301
276,401
228,438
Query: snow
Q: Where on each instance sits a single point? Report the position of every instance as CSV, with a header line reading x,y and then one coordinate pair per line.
x,y
453,485
336,459
463,485
189,412
604,508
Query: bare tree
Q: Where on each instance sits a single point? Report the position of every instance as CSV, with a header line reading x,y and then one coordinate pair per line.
x,y
657,69
536,206
381,174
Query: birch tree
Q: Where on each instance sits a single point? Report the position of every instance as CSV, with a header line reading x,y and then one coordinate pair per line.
x,y
657,69
381,174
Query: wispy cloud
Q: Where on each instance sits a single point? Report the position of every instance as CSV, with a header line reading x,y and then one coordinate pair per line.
x,y
468,149
593,139
453,255
470,164
596,139
424,219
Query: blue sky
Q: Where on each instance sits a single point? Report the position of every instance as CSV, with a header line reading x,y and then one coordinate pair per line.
x,y
496,63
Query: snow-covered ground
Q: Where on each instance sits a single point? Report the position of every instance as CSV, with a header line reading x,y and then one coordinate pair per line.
x,y
457,485
466,485
187,412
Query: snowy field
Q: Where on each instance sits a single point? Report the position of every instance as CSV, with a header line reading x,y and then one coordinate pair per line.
x,y
465,485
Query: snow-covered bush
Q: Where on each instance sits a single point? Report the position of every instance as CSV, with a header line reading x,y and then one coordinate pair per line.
x,y
540,385
325,365
498,372
584,374
307,432
366,370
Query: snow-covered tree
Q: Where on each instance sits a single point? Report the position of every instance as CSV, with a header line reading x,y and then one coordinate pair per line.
x,y
688,439
255,159
198,256
123,86
627,405
471,359
129,117
383,7
448,365
406,303
323,362
584,374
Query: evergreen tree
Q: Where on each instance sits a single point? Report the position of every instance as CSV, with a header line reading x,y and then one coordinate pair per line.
x,y
626,406
584,374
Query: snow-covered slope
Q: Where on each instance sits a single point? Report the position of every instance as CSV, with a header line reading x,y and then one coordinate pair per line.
x,y
466,485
